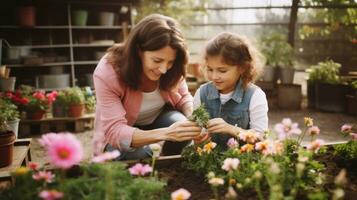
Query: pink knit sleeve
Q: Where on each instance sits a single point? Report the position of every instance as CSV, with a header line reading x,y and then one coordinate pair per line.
x,y
110,110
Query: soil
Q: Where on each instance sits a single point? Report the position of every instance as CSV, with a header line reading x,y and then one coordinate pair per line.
x,y
178,177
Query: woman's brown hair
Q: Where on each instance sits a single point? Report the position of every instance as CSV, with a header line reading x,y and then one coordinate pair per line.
x,y
236,50
151,33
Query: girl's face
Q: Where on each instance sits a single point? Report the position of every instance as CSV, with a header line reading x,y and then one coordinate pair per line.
x,y
223,76
156,63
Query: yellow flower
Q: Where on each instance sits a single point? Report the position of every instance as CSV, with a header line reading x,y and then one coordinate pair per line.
x,y
209,147
21,171
308,121
232,181
247,148
199,151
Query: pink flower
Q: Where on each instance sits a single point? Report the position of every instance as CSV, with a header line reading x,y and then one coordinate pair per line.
x,y
106,156
43,175
315,145
250,136
63,149
33,165
287,128
50,195
232,143
140,170
180,194
346,128
313,130
52,96
39,95
230,164
265,147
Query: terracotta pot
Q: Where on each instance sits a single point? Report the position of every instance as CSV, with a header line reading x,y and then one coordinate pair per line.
x,y
7,140
76,110
36,115
27,16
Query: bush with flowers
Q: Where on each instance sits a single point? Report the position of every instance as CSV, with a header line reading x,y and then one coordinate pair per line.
x,y
71,178
30,101
276,166
348,151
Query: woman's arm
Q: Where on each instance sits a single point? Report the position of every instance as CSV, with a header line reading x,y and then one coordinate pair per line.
x,y
179,131
185,100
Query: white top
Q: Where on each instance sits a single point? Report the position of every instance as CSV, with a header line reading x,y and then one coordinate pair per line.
x,y
151,106
258,108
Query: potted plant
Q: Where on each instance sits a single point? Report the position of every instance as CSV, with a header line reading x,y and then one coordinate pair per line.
x,y
279,54
328,89
7,136
89,100
75,101
10,114
59,106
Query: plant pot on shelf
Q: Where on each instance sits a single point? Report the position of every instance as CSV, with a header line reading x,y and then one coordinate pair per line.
x,y
352,104
35,115
286,75
80,17
14,126
59,110
311,94
331,97
289,96
269,74
75,110
7,84
27,16
106,18
7,140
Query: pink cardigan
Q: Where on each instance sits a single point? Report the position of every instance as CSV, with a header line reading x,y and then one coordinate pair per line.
x,y
118,107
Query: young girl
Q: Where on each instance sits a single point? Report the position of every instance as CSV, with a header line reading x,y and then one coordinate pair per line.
x,y
234,103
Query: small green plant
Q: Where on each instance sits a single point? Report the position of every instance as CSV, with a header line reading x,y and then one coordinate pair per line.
x,y
354,85
277,51
325,72
8,112
90,100
74,96
201,116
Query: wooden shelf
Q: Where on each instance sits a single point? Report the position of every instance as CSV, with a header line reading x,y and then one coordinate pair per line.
x,y
61,27
41,65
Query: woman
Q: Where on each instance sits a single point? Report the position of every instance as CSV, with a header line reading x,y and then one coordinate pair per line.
x,y
135,84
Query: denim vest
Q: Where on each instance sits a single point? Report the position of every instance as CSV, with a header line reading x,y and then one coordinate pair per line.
x,y
235,111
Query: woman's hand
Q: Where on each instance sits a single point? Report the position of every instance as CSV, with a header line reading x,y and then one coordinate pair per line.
x,y
183,130
201,138
218,125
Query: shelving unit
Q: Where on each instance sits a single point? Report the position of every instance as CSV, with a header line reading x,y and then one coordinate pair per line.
x,y
56,43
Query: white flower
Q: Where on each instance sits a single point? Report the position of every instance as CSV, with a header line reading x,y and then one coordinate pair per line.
x,y
180,194
232,143
216,181
156,149
315,145
230,164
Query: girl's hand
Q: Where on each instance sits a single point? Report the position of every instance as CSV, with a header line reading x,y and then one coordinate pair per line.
x,y
201,138
218,125
183,130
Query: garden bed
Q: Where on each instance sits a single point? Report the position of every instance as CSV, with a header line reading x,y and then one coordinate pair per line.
x,y
170,170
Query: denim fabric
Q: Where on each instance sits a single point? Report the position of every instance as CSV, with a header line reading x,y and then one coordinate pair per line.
x,y
235,111
167,117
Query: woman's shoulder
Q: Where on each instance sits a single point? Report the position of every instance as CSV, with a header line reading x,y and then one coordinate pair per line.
x,y
105,69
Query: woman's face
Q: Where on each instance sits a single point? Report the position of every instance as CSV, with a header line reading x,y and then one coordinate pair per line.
x,y
156,63
223,76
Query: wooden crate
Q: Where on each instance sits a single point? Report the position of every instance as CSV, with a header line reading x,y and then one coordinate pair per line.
x,y
57,124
